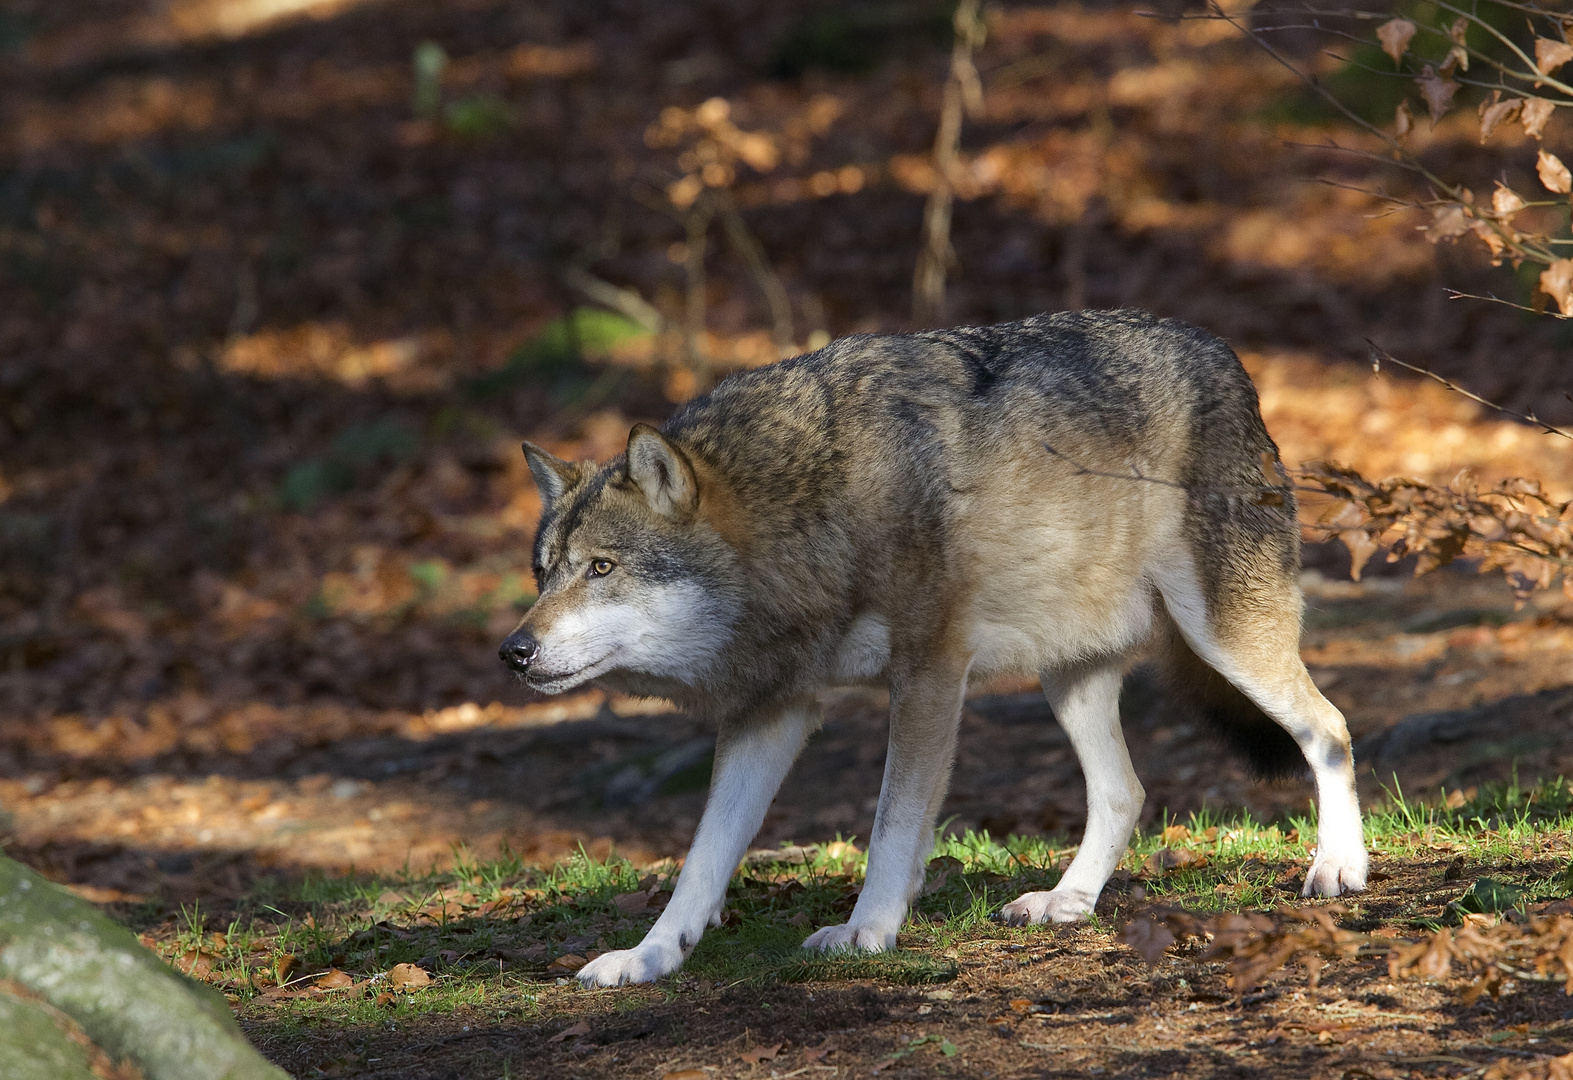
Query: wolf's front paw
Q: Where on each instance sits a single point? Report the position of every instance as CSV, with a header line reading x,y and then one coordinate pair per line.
x,y
1332,874
851,936
1032,908
646,963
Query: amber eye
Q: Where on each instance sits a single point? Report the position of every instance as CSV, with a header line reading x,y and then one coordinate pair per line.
x,y
600,568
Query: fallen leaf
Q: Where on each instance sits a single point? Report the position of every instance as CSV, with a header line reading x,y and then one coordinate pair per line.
x,y
1020,1005
284,966
1173,834
631,903
1395,35
685,1074
573,1032
1438,92
1553,174
383,998
761,1053
1551,54
335,980
1534,114
1165,859
568,962
197,963
1556,281
408,977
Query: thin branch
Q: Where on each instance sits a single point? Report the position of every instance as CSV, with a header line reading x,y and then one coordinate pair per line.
x,y
1454,294
963,92
1378,354
752,252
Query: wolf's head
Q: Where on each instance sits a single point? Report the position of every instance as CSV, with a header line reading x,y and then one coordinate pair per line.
x,y
633,581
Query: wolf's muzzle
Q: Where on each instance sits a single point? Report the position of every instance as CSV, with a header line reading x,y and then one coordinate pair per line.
x,y
519,650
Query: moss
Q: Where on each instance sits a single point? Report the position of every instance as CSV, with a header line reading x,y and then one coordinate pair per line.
x,y
128,1001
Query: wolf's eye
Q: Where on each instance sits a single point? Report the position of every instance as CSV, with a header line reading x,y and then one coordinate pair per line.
x,y
600,568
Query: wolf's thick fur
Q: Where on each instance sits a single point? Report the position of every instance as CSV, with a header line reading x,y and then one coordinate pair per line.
x,y
915,511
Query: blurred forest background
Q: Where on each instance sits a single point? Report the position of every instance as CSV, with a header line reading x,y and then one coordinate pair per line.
x,y
283,283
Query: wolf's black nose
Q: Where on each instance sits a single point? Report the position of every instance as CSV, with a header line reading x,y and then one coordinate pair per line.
x,y
519,650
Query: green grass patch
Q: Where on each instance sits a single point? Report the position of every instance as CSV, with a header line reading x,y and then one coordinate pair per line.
x,y
496,935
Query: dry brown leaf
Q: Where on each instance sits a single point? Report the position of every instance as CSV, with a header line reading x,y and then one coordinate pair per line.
x,y
1535,113
1447,223
1438,91
631,903
686,1074
334,979
1173,834
567,962
1458,55
1551,54
1505,202
1556,281
572,1032
1403,120
383,998
197,963
284,966
1553,174
1165,859
761,1054
1395,35
408,977
1494,114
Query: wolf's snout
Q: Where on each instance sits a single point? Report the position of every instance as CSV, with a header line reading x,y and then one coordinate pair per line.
x,y
519,650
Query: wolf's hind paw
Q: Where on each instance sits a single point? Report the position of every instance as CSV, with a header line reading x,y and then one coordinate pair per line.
x,y
1032,908
850,936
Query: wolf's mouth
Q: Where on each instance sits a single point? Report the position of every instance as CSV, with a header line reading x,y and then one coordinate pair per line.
x,y
551,682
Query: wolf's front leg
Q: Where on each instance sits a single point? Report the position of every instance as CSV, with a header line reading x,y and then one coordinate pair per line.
x,y
750,762
924,717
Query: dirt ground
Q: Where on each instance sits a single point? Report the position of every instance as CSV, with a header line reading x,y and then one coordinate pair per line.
x,y
263,518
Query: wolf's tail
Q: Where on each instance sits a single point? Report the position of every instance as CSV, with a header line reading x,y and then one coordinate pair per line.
x,y
1271,752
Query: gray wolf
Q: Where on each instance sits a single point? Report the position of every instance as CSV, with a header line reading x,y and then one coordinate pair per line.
x,y
917,511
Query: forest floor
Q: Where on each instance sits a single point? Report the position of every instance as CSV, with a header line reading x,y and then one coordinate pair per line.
x,y
271,340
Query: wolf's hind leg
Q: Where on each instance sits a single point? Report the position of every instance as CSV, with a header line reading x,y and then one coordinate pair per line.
x,y
1257,648
750,764
924,717
1086,701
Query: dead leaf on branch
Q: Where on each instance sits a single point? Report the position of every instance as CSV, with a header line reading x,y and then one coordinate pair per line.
x,y
1556,281
1505,202
1535,113
1403,120
1438,90
1494,113
1395,36
1447,223
1458,55
1551,54
1553,174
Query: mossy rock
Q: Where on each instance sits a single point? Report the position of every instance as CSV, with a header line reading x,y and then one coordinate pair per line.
x,y
67,964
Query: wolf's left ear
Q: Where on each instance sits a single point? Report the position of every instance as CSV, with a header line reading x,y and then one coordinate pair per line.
x,y
552,474
662,472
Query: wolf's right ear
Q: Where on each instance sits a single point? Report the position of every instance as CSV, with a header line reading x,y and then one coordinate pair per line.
x,y
552,474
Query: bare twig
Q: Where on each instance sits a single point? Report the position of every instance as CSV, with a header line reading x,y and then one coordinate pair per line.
x,y
1378,354
963,92
697,225
752,253
621,300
